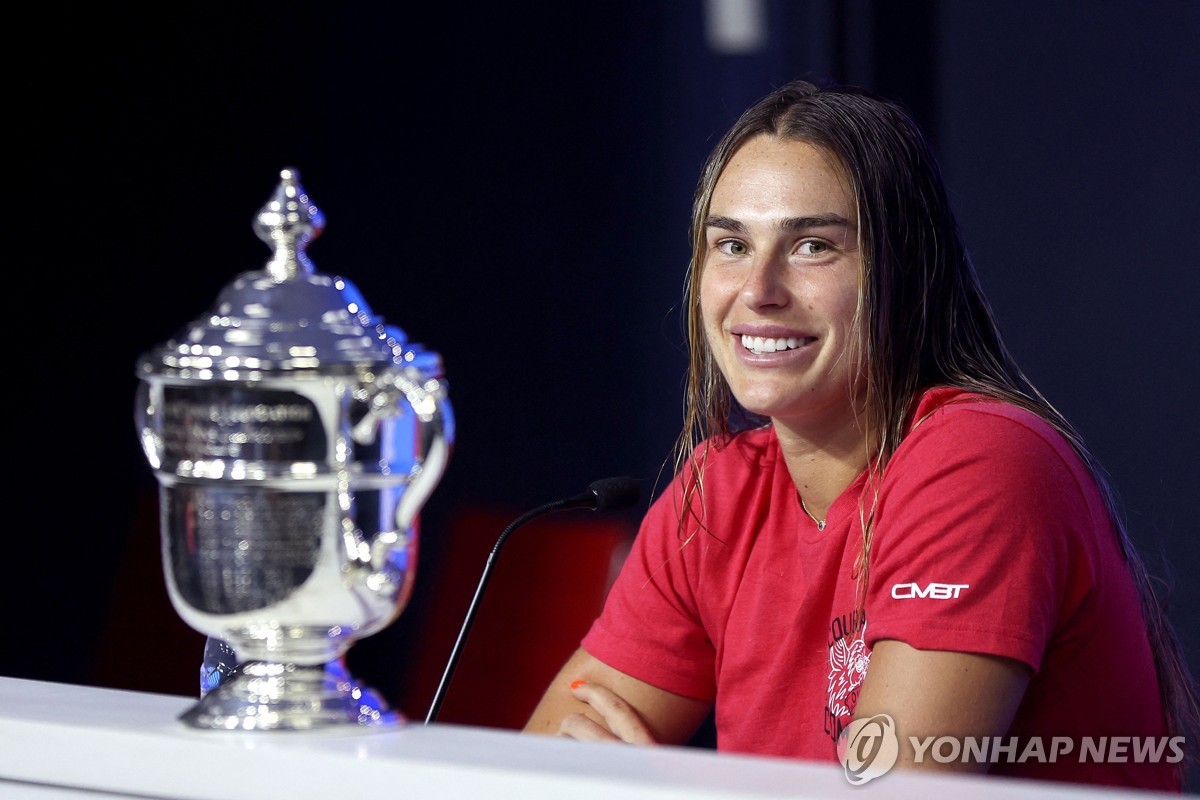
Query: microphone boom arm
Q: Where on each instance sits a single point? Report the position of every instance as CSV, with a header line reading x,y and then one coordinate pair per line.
x,y
603,495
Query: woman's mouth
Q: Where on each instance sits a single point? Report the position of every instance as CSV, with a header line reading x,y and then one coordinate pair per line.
x,y
766,344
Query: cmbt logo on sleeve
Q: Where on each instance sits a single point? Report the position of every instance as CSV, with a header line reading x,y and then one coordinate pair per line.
x,y
932,591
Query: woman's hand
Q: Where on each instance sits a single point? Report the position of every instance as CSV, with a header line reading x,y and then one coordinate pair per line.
x,y
591,701
623,723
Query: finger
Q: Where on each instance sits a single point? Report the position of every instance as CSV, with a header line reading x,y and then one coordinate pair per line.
x,y
621,718
584,729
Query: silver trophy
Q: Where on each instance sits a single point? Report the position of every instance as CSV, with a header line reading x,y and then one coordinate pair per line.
x,y
295,438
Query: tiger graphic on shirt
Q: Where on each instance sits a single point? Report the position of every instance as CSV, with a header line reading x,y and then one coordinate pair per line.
x,y
849,658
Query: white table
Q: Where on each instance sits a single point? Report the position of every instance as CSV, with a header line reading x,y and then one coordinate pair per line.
x,y
60,741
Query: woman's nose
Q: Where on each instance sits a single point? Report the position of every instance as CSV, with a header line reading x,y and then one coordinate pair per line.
x,y
763,285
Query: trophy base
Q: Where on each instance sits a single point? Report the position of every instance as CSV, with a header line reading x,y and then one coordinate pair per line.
x,y
265,695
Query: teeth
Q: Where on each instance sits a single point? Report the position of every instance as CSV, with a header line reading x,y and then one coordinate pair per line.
x,y
759,344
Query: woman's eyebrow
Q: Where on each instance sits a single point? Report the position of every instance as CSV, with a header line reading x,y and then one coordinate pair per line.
x,y
724,223
817,221
789,223
792,224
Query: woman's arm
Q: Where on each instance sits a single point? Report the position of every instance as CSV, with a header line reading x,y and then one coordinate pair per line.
x,y
612,706
934,693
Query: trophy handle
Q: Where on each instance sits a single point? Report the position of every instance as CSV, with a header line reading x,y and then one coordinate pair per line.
x,y
435,434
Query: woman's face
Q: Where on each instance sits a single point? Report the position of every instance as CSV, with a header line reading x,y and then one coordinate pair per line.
x,y
779,282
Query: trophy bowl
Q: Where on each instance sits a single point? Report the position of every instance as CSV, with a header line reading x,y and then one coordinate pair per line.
x,y
294,437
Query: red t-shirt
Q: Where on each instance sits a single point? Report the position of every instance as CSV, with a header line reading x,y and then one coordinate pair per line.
x,y
990,537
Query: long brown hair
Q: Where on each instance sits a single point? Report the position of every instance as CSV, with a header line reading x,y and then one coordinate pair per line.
x,y
922,320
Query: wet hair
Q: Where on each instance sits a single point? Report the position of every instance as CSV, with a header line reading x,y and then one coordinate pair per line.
x,y
922,319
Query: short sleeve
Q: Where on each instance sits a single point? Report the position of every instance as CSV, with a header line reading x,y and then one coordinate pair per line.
x,y
650,627
978,518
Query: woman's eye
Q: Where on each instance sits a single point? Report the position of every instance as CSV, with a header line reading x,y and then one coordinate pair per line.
x,y
813,248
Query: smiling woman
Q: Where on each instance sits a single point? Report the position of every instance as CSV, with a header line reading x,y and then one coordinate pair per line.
x,y
875,514
781,269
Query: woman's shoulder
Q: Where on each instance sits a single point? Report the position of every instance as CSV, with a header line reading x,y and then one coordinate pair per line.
x,y
754,450
731,467
953,427
958,410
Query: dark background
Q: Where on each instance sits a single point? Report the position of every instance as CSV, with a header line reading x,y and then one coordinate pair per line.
x,y
510,184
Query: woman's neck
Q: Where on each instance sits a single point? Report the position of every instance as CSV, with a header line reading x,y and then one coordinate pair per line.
x,y
824,461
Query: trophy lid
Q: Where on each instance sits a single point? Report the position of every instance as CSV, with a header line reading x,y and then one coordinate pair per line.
x,y
286,317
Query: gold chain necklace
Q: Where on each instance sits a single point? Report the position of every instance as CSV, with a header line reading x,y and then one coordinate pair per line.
x,y
820,522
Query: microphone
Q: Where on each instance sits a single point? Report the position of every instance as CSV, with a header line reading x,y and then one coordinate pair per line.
x,y
606,494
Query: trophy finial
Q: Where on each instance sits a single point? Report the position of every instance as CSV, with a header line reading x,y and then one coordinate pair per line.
x,y
288,222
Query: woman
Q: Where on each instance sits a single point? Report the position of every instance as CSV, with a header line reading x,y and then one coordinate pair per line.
x,y
874,511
